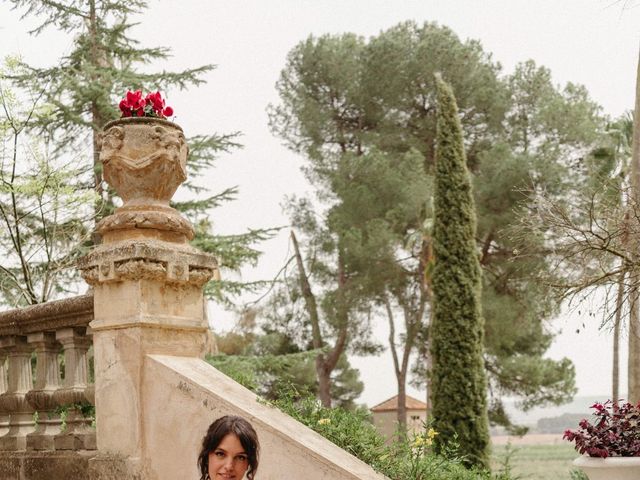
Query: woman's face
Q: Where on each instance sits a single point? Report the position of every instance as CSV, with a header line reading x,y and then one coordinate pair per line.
x,y
228,460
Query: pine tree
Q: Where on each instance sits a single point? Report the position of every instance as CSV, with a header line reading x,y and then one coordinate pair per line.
x,y
458,380
381,100
83,90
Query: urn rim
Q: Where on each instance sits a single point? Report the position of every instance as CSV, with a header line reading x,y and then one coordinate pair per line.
x,y
599,462
142,120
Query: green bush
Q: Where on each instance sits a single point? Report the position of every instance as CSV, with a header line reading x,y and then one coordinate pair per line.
x,y
352,430
411,459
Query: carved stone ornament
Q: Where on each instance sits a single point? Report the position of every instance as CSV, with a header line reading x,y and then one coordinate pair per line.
x,y
144,159
137,260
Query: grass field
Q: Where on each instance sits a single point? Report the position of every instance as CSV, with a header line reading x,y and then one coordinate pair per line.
x,y
537,462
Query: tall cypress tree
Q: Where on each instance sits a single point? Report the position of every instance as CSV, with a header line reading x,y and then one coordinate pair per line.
x,y
458,381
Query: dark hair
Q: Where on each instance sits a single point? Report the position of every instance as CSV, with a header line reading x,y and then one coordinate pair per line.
x,y
220,429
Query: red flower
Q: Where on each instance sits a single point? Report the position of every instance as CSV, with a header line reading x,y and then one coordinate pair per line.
x,y
134,98
153,105
125,108
156,101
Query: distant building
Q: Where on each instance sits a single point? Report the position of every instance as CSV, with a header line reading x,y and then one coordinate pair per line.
x,y
385,415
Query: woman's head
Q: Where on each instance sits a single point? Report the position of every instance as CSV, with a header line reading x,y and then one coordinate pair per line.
x,y
229,449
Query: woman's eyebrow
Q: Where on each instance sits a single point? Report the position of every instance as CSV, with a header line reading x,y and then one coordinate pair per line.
x,y
223,450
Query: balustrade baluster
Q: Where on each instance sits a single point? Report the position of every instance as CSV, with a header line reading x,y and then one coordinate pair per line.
x,y
76,393
4,415
19,382
41,397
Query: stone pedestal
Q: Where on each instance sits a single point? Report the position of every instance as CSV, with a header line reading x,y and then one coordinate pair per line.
x,y
147,281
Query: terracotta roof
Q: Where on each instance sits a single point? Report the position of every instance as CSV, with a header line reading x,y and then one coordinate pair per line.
x,y
392,404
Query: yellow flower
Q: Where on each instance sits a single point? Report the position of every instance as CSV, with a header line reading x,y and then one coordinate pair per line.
x,y
324,421
431,433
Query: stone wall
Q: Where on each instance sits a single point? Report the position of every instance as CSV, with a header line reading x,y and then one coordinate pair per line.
x,y
45,465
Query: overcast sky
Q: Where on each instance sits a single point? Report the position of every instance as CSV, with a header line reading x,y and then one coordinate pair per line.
x,y
593,42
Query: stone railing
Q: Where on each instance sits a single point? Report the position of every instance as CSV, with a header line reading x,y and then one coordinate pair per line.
x,y
46,408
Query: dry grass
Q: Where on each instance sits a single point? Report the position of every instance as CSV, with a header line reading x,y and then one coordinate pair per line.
x,y
529,439
532,461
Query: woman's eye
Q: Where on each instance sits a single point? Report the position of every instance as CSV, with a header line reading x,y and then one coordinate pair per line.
x,y
242,458
219,454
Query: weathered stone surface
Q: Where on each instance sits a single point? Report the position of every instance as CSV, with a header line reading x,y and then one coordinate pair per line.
x,y
45,465
10,466
106,466
40,398
150,260
144,160
82,437
145,219
193,394
14,401
70,312
78,434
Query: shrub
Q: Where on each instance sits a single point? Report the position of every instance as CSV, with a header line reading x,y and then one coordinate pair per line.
x,y
353,431
615,431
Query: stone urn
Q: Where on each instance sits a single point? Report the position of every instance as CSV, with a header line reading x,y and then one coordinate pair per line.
x,y
611,468
144,159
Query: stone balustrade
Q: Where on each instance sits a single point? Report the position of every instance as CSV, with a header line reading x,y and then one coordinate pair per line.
x,y
46,408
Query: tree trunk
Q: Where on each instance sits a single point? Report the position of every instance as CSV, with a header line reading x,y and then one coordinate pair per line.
x,y
324,387
400,374
324,382
104,203
634,345
96,117
402,404
634,317
325,362
429,366
615,371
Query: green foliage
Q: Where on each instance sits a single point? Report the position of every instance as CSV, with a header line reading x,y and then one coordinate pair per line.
x,y
86,410
547,132
505,463
353,431
346,101
80,94
43,205
103,63
266,374
269,359
578,475
458,383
